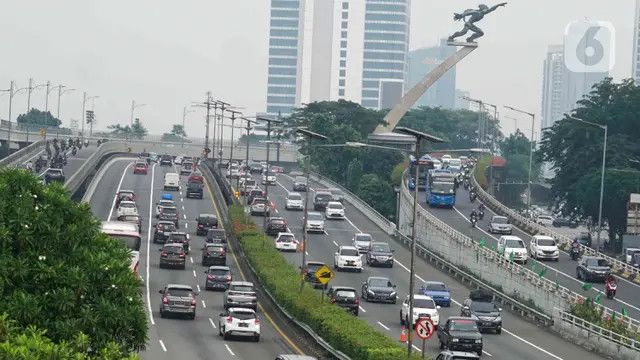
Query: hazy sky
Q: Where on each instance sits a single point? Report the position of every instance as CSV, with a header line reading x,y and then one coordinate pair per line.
x,y
168,53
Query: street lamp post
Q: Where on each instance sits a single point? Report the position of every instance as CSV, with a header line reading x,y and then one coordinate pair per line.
x,y
310,135
266,183
233,121
60,93
12,93
223,107
495,117
604,159
531,146
246,160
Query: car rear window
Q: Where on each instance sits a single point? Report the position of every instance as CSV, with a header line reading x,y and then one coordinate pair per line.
x,y
349,252
295,197
346,293
178,237
243,315
315,217
208,220
277,221
174,249
463,325
169,210
244,288
499,220
314,267
215,248
179,292
436,287
380,248
596,262
335,206
141,165
218,272
127,205
546,242
363,237
324,197
514,244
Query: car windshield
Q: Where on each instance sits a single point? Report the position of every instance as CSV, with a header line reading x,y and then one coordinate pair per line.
x,y
351,294
349,252
380,248
324,197
127,205
174,249
435,287
483,306
243,288
315,217
300,180
130,218
442,188
546,242
596,262
169,210
514,244
363,237
242,315
295,197
260,201
286,238
424,303
179,292
335,206
378,282
177,237
499,220
218,272
463,325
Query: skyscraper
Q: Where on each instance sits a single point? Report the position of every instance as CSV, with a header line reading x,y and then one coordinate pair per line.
x,y
635,73
422,61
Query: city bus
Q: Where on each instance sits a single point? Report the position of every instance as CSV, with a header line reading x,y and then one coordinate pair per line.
x,y
426,163
129,235
441,188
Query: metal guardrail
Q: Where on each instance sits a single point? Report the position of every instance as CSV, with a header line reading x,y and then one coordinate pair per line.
x,y
621,268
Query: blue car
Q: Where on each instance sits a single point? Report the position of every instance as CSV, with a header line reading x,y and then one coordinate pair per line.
x,y
438,291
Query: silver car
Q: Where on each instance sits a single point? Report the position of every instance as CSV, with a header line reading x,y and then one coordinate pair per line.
x,y
179,300
500,225
240,294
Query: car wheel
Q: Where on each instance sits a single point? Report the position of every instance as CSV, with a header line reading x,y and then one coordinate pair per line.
x,y
479,352
192,317
499,331
225,336
256,338
359,270
402,323
578,275
162,314
442,345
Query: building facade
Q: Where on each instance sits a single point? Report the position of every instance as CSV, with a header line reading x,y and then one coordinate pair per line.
x,y
421,62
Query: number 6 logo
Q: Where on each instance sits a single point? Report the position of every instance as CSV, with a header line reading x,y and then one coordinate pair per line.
x,y
589,46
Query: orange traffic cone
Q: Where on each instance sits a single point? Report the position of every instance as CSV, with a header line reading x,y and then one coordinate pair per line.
x,y
403,334
301,246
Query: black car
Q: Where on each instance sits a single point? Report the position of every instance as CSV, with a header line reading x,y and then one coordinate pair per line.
x,y
275,225
464,331
480,306
217,236
345,297
593,268
173,255
213,254
218,277
166,160
560,222
52,175
254,193
584,238
380,253
194,190
379,289
321,199
300,183
170,213
255,168
309,272
162,231
179,238
206,222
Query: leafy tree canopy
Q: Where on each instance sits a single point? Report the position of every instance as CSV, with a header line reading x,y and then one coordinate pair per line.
x,y
176,134
137,130
39,118
575,150
59,273
515,149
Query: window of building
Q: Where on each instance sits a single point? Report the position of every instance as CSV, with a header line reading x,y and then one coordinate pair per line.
x,y
341,92
283,33
281,90
284,4
343,63
345,24
282,62
283,42
345,15
343,53
345,6
343,34
284,14
284,23
343,73
291,71
343,44
341,82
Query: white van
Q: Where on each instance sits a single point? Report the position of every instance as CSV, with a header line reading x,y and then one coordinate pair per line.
x,y
172,181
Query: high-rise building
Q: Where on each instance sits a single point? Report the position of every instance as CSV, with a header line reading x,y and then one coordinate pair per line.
x,y
635,73
421,62
337,49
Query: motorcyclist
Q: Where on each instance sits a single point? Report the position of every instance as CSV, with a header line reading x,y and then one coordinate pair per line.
x,y
611,280
29,165
481,207
473,215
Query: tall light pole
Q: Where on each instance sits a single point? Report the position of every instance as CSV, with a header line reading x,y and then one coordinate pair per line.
x,y
495,117
233,121
481,126
531,146
310,135
93,105
134,106
60,93
266,183
12,93
184,117
30,89
604,159
246,161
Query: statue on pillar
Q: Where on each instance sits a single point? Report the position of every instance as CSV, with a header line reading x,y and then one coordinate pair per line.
x,y
470,17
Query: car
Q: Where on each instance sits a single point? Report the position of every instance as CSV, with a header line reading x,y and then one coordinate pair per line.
x,y
141,167
178,160
321,199
560,222
379,254
177,237
379,289
362,242
213,254
233,171
278,169
186,168
171,182
260,206
295,173
247,184
162,231
194,190
438,291
127,208
423,306
294,201
334,210
481,308
125,195
457,355
172,255
269,178
593,268
513,248
153,157
240,294
166,160
205,222
630,255
543,247
315,222
133,219
500,225
179,300
216,236
309,273
254,193
546,220
54,175
255,168
295,357
584,238
170,213
300,183
347,257
337,194
239,321
163,203
345,297
218,277
460,333
275,225
196,176
286,241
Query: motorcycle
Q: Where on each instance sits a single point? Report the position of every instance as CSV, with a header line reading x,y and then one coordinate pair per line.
x,y
473,222
472,196
86,143
480,214
610,289
74,151
575,253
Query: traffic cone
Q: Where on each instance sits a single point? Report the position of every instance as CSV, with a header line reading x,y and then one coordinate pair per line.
x,y
403,334
301,246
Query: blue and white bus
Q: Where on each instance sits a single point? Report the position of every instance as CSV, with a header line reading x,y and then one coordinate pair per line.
x,y
441,188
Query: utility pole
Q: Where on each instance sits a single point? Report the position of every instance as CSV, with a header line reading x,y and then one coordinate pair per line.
x,y
60,93
223,106
84,103
266,183
207,104
246,159
233,120
46,99
29,90
495,117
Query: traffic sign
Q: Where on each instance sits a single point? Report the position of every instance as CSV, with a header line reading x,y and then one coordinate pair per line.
x,y
324,275
425,328
43,132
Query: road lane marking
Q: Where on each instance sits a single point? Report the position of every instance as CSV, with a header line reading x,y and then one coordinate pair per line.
x,y
212,323
164,348
113,205
486,353
383,326
417,348
203,304
194,273
336,244
147,281
184,216
229,350
198,287
362,309
191,259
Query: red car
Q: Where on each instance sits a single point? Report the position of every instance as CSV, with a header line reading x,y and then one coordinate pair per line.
x,y
196,177
141,168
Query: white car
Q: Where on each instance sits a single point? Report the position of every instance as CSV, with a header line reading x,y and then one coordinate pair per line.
x,y
347,257
164,203
423,306
545,220
234,171
239,321
269,178
315,222
294,202
127,208
508,244
361,241
334,210
286,242
178,160
543,247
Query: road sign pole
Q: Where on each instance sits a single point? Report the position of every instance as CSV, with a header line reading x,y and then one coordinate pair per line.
x,y
424,346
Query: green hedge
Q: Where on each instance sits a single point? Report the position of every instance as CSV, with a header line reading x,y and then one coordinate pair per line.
x,y
587,311
349,334
480,170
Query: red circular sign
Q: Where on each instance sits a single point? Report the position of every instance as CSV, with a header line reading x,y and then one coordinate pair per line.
x,y
425,328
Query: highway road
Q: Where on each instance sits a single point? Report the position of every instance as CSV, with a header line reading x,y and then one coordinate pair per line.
x,y
564,270
73,161
520,339
174,338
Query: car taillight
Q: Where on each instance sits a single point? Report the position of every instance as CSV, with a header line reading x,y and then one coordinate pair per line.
x,y
200,226
222,252
181,254
227,278
163,254
210,277
229,320
165,300
333,301
257,321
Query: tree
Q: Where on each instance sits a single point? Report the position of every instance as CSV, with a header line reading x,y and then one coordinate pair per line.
x,y
378,193
575,152
177,134
36,117
59,273
136,130
516,150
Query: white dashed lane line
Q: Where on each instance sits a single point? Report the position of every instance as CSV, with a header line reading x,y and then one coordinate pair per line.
x,y
203,304
191,259
229,350
164,348
198,287
212,323
383,326
194,273
362,309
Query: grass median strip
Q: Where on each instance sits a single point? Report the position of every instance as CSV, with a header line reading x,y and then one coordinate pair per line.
x,y
346,333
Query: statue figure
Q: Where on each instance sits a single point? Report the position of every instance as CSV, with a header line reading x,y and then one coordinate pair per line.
x,y
474,15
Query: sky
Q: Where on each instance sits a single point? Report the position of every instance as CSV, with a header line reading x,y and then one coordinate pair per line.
x,y
168,54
